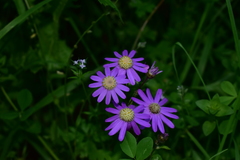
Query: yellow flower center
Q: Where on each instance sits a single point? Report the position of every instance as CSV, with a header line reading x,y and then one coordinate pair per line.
x,y
109,82
125,62
127,114
154,108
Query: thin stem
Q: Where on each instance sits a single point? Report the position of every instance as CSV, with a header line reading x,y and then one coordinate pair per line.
x,y
9,100
145,23
94,22
47,147
198,145
234,29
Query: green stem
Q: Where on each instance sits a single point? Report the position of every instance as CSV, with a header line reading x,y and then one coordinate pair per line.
x,y
198,145
48,148
145,23
9,100
234,29
230,123
188,64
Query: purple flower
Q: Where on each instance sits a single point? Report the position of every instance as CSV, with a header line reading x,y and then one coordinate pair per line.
x,y
111,85
127,65
154,107
153,71
126,118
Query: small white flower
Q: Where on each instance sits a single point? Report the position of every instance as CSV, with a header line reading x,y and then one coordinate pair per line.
x,y
82,66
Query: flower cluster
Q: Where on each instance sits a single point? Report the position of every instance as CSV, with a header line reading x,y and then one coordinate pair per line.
x,y
149,111
80,63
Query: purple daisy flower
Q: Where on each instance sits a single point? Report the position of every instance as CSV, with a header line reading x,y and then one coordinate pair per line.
x,y
127,65
111,85
126,118
154,107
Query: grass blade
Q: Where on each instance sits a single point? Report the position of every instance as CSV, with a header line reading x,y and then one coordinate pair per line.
x,y
21,18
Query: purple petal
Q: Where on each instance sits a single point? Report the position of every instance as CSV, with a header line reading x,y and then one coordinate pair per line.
x,y
120,93
140,64
160,125
112,110
138,109
98,91
142,116
169,114
123,105
137,59
142,122
110,65
149,94
117,54
95,85
135,75
96,78
122,81
130,77
112,59
107,71
131,107
102,95
143,96
143,70
114,72
114,96
168,109
122,87
138,101
132,53
113,118
100,74
154,123
108,98
122,132
158,96
167,121
113,124
135,128
163,101
121,71
125,53
116,128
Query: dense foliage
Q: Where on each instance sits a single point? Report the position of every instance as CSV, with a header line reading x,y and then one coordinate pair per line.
x,y
46,106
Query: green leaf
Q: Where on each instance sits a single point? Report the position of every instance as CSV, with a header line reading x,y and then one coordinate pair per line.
x,y
203,104
228,88
34,128
208,127
223,127
9,115
21,18
129,145
156,157
144,148
24,98
192,121
111,4
224,111
226,99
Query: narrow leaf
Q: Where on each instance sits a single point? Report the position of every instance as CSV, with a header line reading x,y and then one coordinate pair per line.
x,y
21,18
111,4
